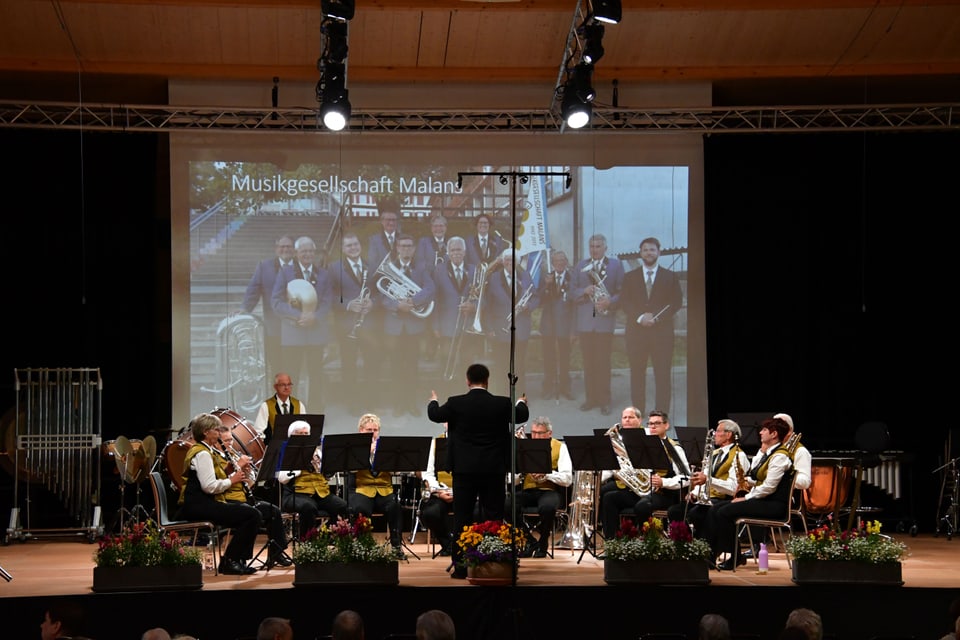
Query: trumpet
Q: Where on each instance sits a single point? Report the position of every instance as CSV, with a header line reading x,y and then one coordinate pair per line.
x,y
363,298
524,299
394,284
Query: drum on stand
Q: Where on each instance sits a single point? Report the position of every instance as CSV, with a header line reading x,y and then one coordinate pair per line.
x,y
409,490
830,480
246,440
173,456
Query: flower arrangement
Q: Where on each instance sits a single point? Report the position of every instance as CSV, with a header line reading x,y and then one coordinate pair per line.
x,y
490,541
343,541
863,544
143,545
649,542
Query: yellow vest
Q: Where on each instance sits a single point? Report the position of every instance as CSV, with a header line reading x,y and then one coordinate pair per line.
x,y
311,483
219,468
369,485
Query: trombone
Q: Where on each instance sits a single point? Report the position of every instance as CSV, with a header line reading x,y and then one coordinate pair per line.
x,y
474,294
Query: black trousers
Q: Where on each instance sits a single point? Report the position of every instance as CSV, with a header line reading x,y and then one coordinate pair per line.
x,y
308,508
243,519
387,505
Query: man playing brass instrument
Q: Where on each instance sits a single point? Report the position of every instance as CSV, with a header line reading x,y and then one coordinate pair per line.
x,y
456,310
721,475
802,460
665,484
614,495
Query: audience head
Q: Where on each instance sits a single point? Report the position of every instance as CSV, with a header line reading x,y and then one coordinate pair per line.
x,y
807,621
61,619
435,625
714,627
275,629
157,633
347,625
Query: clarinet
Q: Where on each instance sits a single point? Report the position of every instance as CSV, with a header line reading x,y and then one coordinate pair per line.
x,y
234,459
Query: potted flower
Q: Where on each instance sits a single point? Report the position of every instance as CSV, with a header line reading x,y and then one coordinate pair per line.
x,y
649,555
489,551
863,554
143,558
344,553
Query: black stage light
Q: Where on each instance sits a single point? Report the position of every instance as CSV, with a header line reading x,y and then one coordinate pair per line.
x,y
576,113
593,43
608,11
333,96
343,9
336,39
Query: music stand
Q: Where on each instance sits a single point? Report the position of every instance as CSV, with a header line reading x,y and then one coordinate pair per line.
x,y
286,453
399,454
645,451
346,452
694,442
533,456
591,453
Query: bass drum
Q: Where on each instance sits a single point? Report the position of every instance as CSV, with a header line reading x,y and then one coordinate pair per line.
x,y
246,440
174,455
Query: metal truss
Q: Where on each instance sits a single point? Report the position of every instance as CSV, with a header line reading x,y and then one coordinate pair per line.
x,y
774,119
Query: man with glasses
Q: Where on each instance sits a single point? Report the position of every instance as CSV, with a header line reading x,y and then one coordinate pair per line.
x,y
384,243
543,490
665,484
280,403
260,289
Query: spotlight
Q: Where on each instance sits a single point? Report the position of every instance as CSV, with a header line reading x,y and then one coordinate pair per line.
x,y
336,39
575,111
333,96
344,9
593,43
580,81
608,11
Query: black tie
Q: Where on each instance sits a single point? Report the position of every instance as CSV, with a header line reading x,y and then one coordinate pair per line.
x,y
668,446
718,457
406,269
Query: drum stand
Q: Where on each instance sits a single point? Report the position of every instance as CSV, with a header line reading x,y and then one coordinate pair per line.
x,y
948,490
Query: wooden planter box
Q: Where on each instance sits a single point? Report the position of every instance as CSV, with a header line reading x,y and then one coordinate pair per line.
x,y
846,572
117,579
491,574
656,572
325,574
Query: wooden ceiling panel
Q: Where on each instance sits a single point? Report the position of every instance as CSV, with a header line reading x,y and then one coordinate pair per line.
x,y
434,39
385,39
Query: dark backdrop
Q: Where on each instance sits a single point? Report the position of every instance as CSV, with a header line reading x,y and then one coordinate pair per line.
x,y
828,286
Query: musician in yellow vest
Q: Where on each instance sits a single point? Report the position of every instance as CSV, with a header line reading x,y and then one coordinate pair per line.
x,y
307,492
666,485
280,403
436,508
371,490
720,472
770,476
203,493
544,490
615,496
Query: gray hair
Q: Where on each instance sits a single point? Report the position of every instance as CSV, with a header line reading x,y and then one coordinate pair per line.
x,y
457,240
730,427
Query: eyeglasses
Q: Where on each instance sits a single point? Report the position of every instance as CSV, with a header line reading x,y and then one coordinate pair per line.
x,y
540,433
284,384
655,424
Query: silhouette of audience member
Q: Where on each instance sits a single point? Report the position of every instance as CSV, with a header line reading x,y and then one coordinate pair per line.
x,y
713,627
62,620
184,636
807,621
347,625
792,633
954,616
435,625
157,633
275,629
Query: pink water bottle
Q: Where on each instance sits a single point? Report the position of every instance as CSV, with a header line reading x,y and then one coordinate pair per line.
x,y
763,559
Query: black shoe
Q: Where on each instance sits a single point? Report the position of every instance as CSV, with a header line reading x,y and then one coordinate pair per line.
x,y
460,573
444,553
586,406
527,551
280,560
605,410
727,565
232,567
398,552
540,553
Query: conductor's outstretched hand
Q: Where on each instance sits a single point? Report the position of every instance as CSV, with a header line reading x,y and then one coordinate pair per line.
x,y
433,396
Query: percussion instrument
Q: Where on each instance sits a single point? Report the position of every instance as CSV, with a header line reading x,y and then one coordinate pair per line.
x,y
174,454
410,488
830,480
246,440
130,457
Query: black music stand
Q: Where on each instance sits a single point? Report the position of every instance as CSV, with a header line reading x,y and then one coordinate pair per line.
x,y
283,453
645,451
398,454
592,453
346,452
694,442
533,456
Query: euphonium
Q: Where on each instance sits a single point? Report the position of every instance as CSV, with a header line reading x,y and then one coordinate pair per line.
x,y
599,289
396,285
637,480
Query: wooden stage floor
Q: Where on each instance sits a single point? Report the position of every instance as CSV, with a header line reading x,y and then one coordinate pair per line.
x,y
554,598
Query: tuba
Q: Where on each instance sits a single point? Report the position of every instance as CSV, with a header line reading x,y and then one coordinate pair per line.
x,y
582,515
394,284
637,480
302,295
241,362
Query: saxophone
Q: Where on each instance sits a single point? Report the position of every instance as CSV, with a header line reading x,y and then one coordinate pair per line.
x,y
743,486
637,480
704,496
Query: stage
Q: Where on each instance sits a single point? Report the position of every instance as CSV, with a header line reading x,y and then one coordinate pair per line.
x,y
562,597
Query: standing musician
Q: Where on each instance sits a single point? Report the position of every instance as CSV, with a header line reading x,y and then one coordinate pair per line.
x,y
456,308
513,284
770,476
665,484
557,323
281,403
436,504
203,493
615,496
272,518
372,490
306,492
484,246
543,490
719,470
432,248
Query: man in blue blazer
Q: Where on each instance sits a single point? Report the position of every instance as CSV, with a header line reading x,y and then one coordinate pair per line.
x,y
480,430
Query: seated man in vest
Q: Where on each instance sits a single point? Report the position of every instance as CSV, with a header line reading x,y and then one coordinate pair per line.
x,y
544,490
665,484
371,490
306,492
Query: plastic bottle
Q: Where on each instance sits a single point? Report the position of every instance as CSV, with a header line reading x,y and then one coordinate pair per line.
x,y
763,560
208,556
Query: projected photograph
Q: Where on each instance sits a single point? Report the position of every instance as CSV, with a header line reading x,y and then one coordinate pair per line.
x,y
373,285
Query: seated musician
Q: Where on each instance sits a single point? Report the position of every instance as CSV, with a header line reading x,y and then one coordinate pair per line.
x,y
270,514
802,458
770,476
719,473
371,490
307,492
543,490
202,495
436,507
665,484
615,496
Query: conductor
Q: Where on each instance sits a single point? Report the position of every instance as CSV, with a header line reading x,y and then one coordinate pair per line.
x,y
480,432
